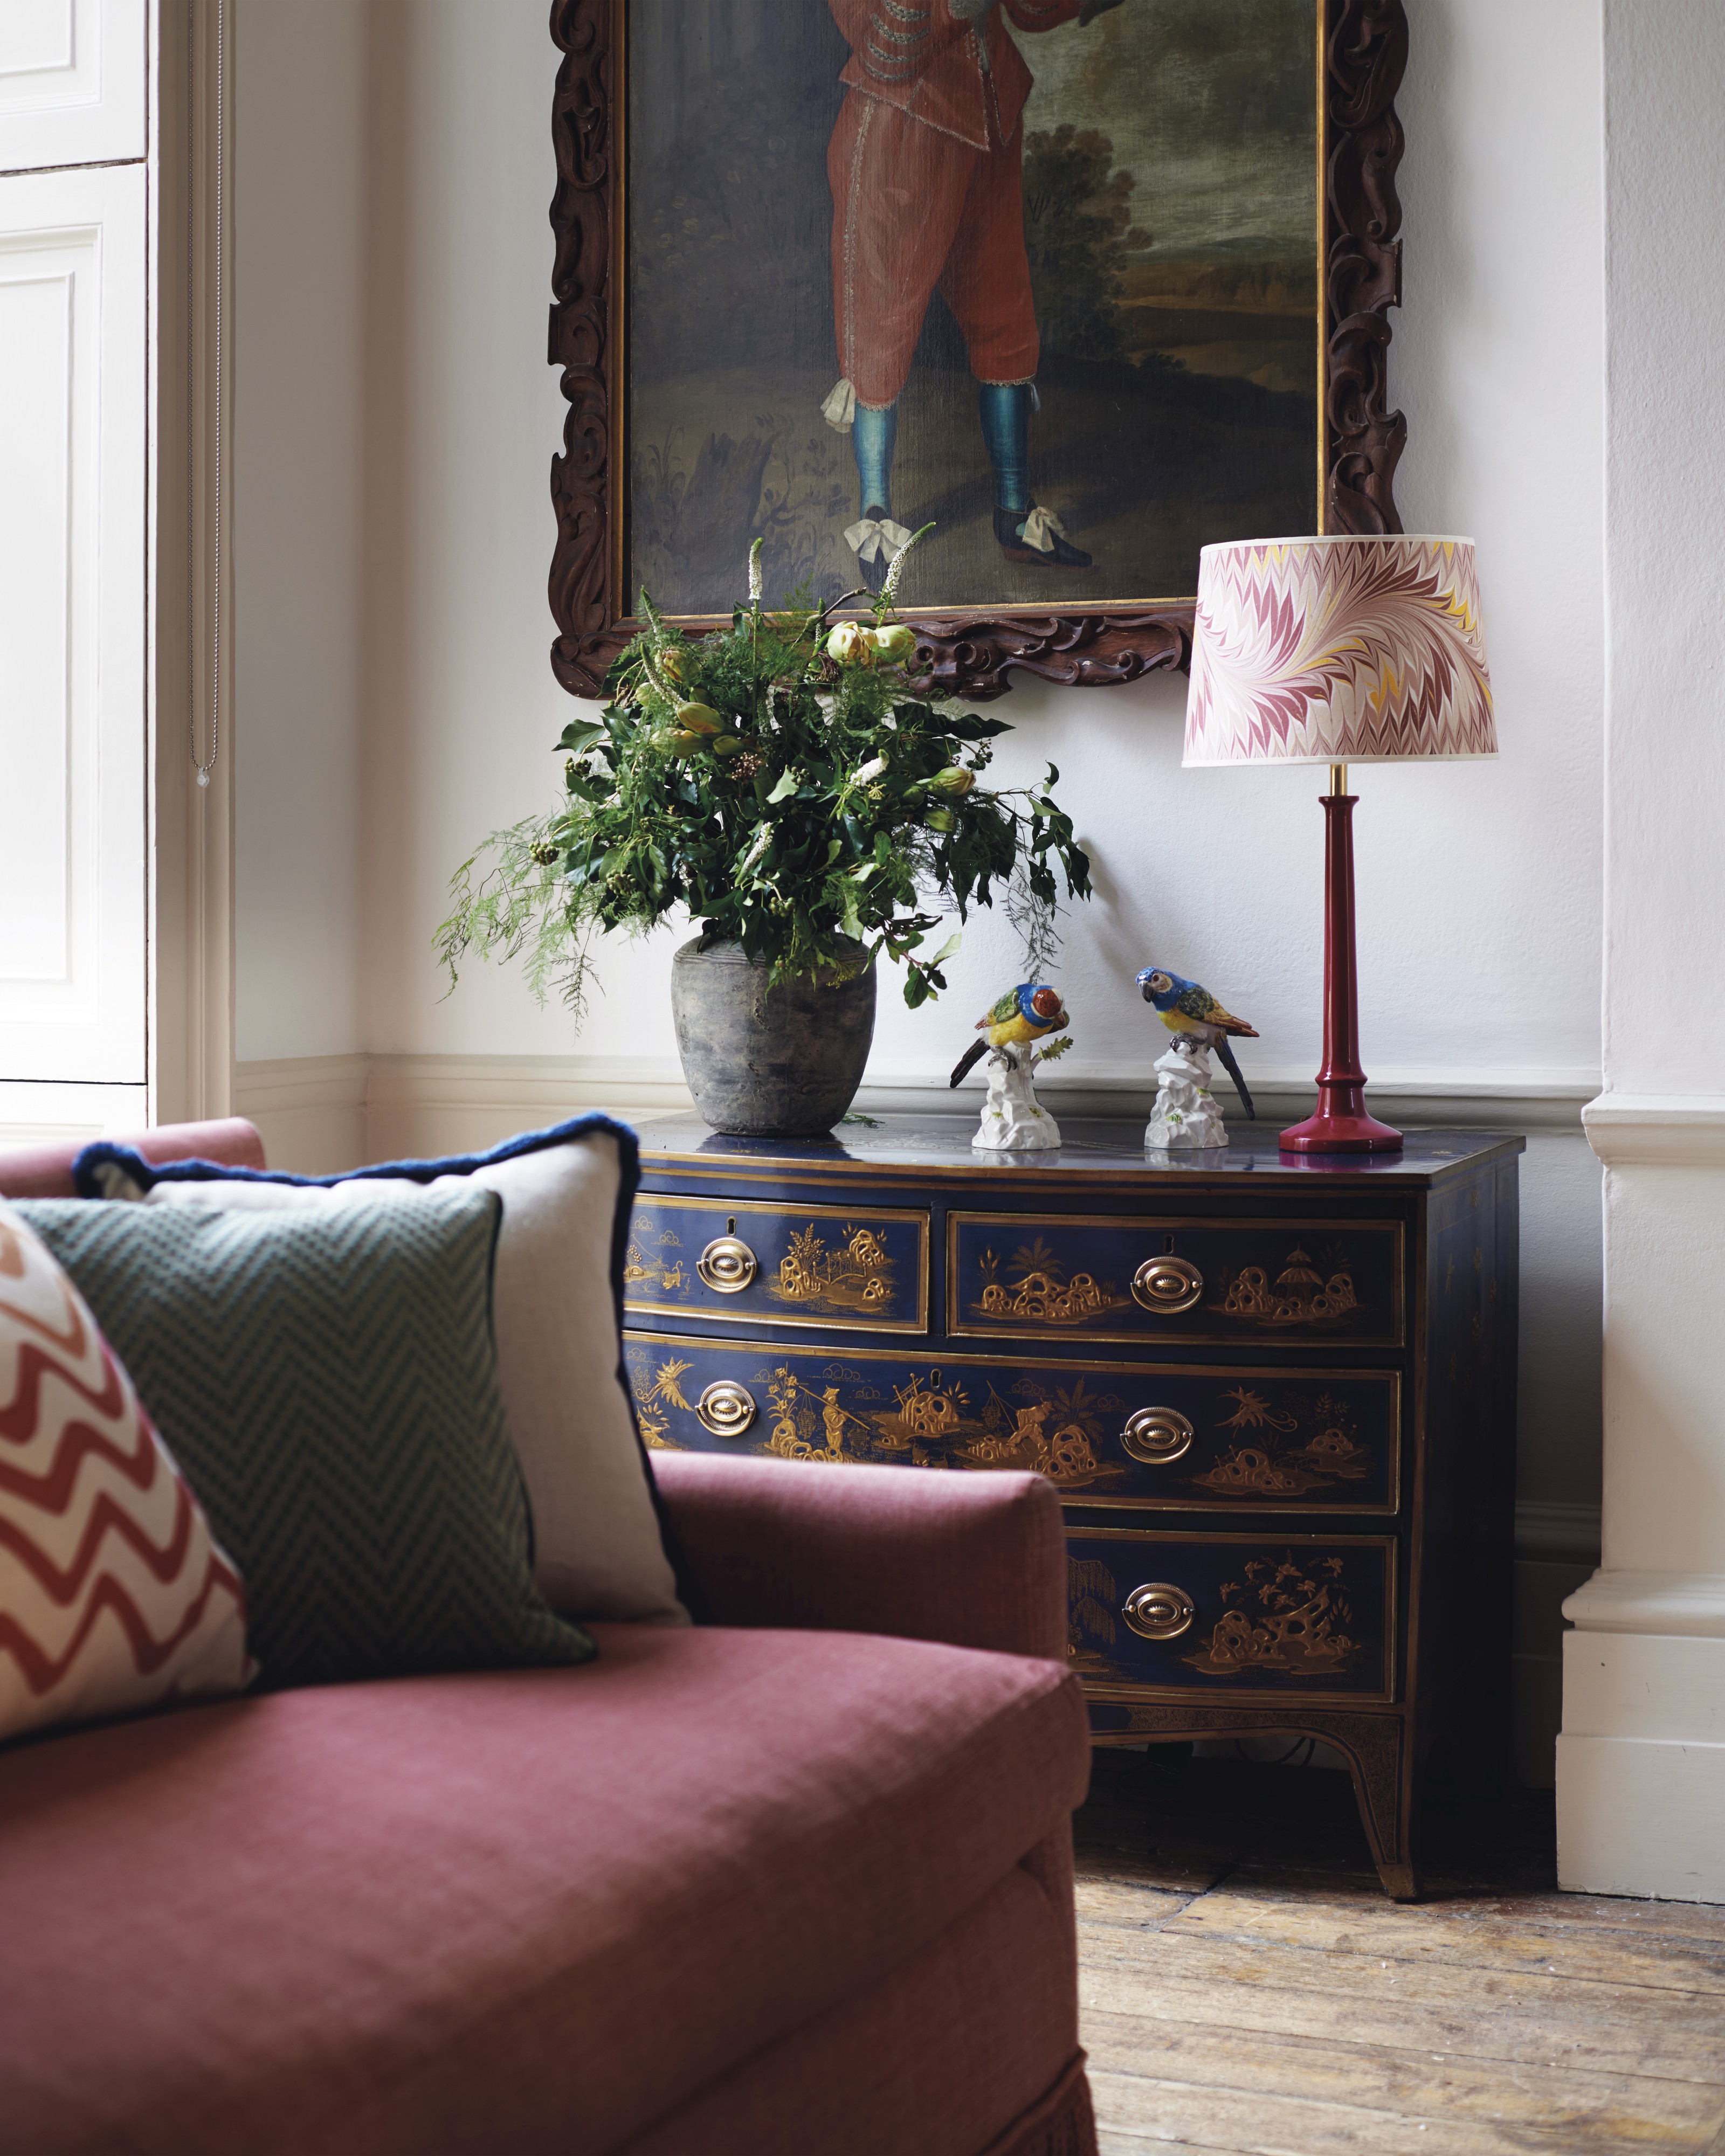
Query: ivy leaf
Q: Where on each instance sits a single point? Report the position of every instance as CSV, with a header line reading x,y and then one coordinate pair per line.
x,y
579,734
787,783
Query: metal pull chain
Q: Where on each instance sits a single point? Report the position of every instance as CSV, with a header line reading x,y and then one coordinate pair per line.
x,y
203,768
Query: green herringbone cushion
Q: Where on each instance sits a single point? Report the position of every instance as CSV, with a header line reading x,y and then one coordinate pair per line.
x,y
327,1382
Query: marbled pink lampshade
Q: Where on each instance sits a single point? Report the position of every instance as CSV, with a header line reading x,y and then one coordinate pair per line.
x,y
1337,650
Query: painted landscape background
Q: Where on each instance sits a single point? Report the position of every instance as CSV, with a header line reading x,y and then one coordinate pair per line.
x,y
1170,168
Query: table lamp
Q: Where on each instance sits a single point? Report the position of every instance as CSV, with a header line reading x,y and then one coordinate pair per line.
x,y
1338,651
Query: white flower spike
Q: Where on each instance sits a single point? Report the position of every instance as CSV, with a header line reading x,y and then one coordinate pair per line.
x,y
899,559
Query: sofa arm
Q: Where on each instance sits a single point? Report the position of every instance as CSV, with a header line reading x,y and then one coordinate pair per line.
x,y
975,1560
46,1171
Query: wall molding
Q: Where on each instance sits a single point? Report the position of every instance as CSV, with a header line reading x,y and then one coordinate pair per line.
x,y
1670,1604
393,1090
191,912
312,1112
1551,1531
1551,1100
1657,1130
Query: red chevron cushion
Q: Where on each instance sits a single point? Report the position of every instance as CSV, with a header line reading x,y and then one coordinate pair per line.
x,y
113,1594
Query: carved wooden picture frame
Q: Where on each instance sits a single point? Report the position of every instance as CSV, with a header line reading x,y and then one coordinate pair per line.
x,y
1364,54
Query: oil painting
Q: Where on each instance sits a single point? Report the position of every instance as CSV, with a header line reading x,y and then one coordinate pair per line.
x,y
1070,287
1042,274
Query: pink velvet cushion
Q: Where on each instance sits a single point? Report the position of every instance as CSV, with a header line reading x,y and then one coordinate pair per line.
x,y
528,1910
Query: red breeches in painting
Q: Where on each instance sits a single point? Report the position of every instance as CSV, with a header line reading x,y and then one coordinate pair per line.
x,y
914,210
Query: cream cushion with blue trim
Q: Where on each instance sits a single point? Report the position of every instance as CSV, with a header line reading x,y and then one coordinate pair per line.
x,y
599,1548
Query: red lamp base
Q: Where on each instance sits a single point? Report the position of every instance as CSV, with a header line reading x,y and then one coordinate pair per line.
x,y
1332,1131
1341,1124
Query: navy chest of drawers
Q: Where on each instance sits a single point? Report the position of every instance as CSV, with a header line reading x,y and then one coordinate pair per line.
x,y
1276,1396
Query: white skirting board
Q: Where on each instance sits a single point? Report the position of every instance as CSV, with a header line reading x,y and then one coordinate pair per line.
x,y
1641,1759
1641,1764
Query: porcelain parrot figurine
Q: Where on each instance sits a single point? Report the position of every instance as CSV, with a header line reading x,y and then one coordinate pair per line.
x,y
1029,1012
1185,1007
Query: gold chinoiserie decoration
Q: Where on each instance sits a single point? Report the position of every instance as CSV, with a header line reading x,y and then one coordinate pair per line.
x,y
727,1265
726,1409
1168,1284
1156,1436
1158,1611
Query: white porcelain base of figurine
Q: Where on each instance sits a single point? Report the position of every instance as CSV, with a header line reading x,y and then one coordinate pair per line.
x,y
1013,1120
1186,1119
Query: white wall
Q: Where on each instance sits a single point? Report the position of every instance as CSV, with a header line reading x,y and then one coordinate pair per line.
x,y
1479,885
1642,1765
295,606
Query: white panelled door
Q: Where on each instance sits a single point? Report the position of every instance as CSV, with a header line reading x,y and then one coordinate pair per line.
x,y
73,79
74,362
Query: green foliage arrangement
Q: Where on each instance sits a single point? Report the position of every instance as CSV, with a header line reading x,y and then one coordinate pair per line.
x,y
790,783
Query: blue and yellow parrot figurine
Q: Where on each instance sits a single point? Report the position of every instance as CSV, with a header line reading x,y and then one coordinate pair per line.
x,y
1029,1012
1186,1008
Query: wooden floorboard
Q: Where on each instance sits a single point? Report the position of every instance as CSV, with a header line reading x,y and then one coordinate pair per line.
x,y
1247,1990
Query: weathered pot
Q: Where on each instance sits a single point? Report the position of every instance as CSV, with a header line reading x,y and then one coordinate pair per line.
x,y
782,1062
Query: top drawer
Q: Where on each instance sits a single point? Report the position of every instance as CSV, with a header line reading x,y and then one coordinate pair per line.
x,y
1048,1277
777,1265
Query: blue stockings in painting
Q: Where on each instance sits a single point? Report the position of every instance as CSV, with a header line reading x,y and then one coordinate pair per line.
x,y
1025,533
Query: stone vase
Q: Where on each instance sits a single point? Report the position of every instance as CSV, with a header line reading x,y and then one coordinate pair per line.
x,y
765,1061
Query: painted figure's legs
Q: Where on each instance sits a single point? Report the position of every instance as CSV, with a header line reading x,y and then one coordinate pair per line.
x,y
873,436
987,284
899,189
1005,410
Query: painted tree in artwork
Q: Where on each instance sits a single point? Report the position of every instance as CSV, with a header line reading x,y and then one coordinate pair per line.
x,y
1078,232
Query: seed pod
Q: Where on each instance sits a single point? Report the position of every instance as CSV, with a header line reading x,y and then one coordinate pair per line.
x,y
955,781
699,719
939,819
673,663
726,745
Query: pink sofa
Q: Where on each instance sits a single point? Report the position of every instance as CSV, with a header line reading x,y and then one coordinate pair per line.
x,y
798,1881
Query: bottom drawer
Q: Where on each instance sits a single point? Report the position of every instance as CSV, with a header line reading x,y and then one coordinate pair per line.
x,y
1254,1616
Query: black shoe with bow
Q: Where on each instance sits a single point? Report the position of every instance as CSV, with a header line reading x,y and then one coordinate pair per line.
x,y
1034,536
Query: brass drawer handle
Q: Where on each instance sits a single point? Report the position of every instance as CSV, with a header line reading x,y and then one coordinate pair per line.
x,y
1158,1611
727,1265
726,1407
1168,1284
1157,1435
